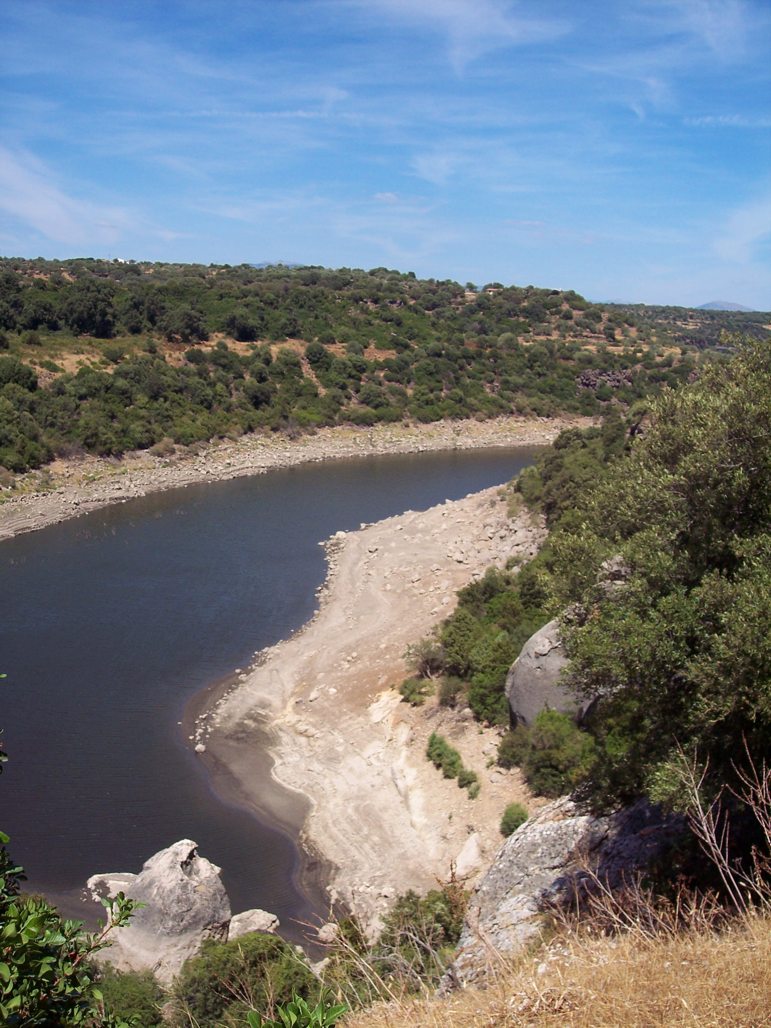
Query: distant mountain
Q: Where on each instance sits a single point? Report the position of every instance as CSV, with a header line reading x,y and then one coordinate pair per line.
x,y
723,305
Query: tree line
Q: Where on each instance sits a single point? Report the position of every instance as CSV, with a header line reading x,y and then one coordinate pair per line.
x,y
189,353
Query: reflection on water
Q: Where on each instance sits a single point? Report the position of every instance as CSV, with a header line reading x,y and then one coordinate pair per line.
x,y
110,622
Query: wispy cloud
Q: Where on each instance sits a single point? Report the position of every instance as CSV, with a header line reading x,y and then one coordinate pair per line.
x,y
471,28
722,26
30,193
741,121
745,231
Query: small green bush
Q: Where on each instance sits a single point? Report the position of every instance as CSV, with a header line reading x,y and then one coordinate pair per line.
x,y
450,690
443,756
415,691
448,760
514,747
419,936
133,994
554,754
114,353
514,816
299,1014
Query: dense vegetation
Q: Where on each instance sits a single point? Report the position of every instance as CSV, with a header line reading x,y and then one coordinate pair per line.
x,y
220,985
684,326
106,357
659,561
674,643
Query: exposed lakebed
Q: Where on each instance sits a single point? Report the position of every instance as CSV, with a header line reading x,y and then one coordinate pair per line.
x,y
110,623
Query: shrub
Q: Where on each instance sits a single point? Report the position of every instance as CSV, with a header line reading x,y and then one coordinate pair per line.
x,y
443,756
554,754
467,779
414,691
299,1014
419,935
514,747
514,816
450,688
133,994
163,448
426,657
226,980
448,760
114,353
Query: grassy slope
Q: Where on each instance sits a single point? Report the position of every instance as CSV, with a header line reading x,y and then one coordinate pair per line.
x,y
697,978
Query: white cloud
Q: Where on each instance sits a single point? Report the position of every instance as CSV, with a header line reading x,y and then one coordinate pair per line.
x,y
29,193
731,121
472,28
437,167
721,25
746,229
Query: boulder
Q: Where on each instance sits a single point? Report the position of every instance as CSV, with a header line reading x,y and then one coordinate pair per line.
x,y
533,681
328,933
185,903
252,921
544,863
469,860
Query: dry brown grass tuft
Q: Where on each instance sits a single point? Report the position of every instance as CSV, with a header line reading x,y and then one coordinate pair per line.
x,y
699,977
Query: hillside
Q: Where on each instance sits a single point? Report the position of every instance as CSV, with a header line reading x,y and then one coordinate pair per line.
x,y
106,357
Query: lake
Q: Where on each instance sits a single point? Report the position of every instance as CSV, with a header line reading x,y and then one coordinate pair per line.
x,y
111,622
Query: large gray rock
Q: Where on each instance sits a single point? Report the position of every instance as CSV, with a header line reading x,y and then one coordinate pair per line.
x,y
252,921
185,902
544,863
533,681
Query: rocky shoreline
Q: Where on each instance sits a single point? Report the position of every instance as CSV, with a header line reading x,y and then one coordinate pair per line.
x,y
68,488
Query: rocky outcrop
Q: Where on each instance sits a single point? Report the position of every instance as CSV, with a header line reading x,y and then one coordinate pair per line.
x,y
252,921
546,861
533,681
592,379
185,903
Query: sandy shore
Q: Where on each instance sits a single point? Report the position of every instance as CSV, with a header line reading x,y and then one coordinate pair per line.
x,y
66,489
342,741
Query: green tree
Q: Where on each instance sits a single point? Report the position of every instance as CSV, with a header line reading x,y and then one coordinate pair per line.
x,y
676,652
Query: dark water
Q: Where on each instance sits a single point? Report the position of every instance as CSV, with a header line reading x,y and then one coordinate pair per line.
x,y
110,622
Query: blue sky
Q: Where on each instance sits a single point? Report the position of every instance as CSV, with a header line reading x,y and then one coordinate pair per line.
x,y
622,149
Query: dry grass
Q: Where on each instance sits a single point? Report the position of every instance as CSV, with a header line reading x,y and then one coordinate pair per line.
x,y
700,978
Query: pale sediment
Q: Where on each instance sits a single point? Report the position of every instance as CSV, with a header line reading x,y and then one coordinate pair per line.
x,y
380,814
68,488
